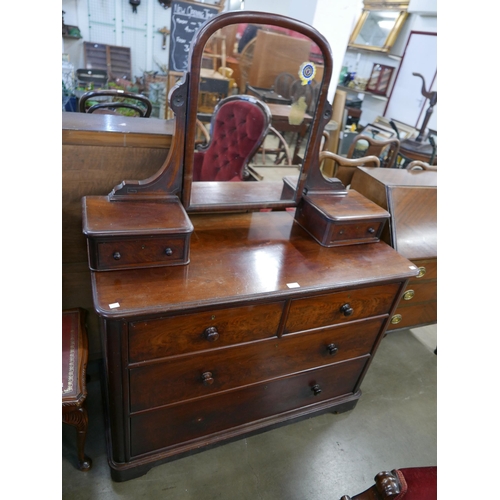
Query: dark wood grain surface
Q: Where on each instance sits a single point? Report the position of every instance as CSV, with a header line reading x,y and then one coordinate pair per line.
x,y
237,257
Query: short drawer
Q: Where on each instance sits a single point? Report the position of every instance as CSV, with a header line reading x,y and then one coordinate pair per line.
x,y
339,307
417,292
360,232
202,331
203,374
145,252
413,316
165,427
427,270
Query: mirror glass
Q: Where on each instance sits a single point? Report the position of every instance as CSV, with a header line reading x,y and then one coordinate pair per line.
x,y
237,156
376,28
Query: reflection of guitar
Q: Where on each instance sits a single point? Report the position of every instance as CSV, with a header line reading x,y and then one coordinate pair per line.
x,y
432,96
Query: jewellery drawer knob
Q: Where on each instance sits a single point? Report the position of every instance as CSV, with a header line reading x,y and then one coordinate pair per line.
x,y
117,256
332,349
168,251
347,309
211,333
409,294
207,378
371,230
396,319
421,272
316,389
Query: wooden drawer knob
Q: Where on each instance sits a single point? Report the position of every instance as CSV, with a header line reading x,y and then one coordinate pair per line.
x,y
347,309
168,251
316,389
371,230
207,378
117,256
332,349
211,334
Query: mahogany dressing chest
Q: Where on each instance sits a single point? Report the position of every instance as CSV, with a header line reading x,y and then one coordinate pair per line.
x,y
256,323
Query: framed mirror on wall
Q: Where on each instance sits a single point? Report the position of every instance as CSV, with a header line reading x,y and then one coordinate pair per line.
x,y
379,25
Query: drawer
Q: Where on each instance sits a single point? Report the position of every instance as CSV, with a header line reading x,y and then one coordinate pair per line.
x,y
361,232
419,291
202,331
186,377
427,270
164,427
413,315
123,253
324,310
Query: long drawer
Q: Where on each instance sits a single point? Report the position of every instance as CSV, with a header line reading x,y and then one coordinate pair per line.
x,y
332,308
201,331
164,427
186,377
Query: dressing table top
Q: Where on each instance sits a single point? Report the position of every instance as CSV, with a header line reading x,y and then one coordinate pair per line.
x,y
240,257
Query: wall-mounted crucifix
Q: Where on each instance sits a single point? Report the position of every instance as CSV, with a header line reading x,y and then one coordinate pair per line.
x,y
164,31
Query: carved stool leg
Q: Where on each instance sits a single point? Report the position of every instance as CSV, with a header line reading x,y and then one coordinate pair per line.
x,y
79,420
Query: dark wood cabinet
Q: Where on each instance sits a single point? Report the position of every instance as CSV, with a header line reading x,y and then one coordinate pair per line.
x,y
410,196
263,327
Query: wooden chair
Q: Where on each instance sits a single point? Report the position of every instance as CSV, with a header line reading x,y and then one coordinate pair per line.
x,y
421,165
238,127
386,151
283,84
74,369
141,105
414,483
345,168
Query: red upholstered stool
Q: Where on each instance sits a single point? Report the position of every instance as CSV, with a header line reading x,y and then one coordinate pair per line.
x,y
415,483
74,368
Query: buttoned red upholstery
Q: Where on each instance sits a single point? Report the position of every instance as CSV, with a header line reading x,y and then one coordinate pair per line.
x,y
418,483
237,130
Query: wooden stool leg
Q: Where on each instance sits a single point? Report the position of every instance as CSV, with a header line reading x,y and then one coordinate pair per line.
x,y
79,420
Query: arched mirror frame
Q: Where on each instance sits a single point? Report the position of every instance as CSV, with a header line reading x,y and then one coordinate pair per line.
x,y
174,178
321,116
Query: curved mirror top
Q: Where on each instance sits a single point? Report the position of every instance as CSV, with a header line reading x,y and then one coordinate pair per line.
x,y
256,100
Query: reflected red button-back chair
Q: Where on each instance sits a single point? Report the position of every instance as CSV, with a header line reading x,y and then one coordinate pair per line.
x,y
238,127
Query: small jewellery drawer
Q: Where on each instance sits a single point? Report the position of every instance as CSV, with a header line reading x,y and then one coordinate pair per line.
x,y
202,374
165,427
360,232
125,253
189,333
324,310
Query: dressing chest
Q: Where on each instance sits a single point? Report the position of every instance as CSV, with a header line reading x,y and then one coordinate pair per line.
x,y
255,323
410,196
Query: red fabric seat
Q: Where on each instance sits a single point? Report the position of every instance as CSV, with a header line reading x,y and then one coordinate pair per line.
x,y
238,128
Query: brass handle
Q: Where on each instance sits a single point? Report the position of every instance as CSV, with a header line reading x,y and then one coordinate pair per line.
x,y
396,319
168,251
211,334
117,256
332,349
421,272
316,389
207,378
347,309
409,294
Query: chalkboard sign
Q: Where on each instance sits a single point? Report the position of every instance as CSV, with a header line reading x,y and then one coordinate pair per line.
x,y
186,20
